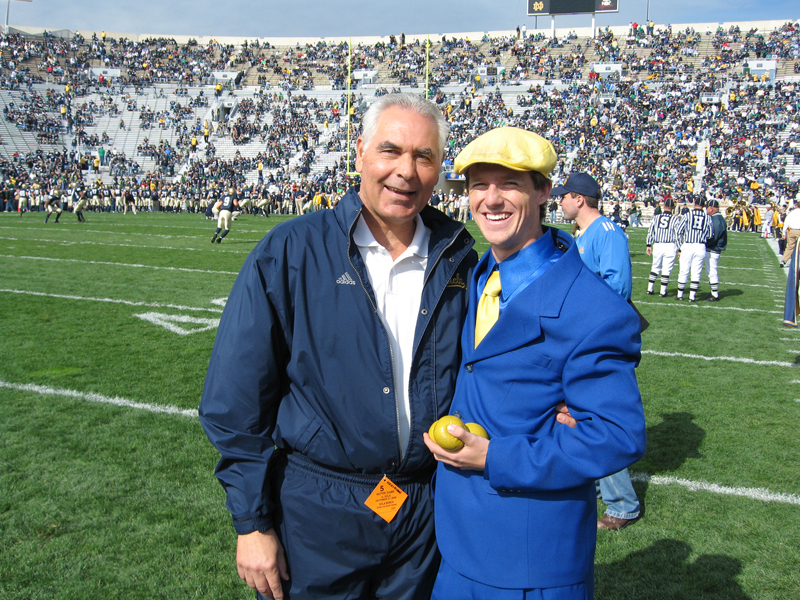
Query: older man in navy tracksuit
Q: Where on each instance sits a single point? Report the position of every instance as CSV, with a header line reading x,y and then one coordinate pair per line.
x,y
338,347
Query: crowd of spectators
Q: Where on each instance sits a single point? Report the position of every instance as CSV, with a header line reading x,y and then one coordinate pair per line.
x,y
646,51
643,137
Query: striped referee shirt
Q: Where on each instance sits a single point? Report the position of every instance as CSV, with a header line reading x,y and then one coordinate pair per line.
x,y
663,229
696,227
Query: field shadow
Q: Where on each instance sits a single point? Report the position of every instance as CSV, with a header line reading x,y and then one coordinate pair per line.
x,y
670,443
729,293
662,571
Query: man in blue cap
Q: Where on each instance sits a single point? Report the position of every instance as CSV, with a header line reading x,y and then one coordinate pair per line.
x,y
603,246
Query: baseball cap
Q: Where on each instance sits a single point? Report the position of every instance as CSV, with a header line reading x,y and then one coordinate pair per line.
x,y
668,203
712,203
511,147
578,183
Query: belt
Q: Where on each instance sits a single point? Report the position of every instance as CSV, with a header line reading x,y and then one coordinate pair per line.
x,y
304,463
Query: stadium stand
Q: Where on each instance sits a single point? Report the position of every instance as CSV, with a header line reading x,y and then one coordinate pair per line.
x,y
710,109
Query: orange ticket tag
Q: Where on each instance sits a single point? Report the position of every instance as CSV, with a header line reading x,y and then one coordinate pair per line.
x,y
386,499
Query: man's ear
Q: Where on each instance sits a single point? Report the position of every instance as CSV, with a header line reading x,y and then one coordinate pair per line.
x,y
359,153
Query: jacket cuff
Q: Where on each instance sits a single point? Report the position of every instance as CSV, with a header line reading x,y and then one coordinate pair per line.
x,y
249,525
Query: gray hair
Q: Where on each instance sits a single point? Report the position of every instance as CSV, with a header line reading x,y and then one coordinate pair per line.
x,y
412,102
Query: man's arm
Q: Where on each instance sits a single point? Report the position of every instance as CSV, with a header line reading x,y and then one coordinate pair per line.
x,y
472,456
601,391
238,413
615,264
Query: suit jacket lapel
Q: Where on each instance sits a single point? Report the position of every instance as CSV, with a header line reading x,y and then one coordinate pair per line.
x,y
520,320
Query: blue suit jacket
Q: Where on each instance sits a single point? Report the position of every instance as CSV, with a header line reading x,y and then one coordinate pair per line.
x,y
529,520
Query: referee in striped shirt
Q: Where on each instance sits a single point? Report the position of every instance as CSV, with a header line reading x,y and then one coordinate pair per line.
x,y
662,245
694,230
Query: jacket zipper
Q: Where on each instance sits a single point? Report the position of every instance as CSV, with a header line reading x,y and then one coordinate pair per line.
x,y
388,339
386,333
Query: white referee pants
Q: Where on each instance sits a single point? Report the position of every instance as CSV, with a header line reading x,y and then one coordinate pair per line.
x,y
664,258
692,256
691,262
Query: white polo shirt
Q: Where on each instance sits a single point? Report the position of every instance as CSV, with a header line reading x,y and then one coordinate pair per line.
x,y
792,220
398,291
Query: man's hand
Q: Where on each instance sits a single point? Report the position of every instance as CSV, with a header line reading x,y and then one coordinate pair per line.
x,y
564,417
649,251
471,457
261,563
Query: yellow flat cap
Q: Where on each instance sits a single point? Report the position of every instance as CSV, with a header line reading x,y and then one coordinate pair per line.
x,y
510,147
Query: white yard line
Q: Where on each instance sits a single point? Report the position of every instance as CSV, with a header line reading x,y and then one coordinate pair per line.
x,y
671,302
750,361
91,397
111,300
130,233
702,486
115,264
209,248
761,494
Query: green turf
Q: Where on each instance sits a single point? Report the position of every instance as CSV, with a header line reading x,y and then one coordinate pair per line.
x,y
101,501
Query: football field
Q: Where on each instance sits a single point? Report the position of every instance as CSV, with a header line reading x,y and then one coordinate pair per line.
x,y
106,476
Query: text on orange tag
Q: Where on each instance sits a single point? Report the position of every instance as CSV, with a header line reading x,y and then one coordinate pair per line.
x,y
386,499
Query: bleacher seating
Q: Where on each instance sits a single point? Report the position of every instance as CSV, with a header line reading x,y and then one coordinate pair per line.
x,y
287,105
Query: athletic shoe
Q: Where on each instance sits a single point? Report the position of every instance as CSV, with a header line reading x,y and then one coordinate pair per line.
x,y
650,293
219,240
679,298
712,299
214,239
663,295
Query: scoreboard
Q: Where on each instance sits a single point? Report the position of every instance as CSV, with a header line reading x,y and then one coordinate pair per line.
x,y
538,8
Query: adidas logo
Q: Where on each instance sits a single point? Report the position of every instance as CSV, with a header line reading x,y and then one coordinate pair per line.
x,y
346,279
457,281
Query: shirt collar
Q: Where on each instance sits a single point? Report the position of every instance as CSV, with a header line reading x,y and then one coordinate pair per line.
x,y
363,237
517,268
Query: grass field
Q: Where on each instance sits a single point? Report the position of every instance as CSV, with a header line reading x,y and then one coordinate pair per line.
x,y
106,477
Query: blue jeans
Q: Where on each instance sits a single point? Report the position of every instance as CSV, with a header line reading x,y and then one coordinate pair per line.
x,y
618,493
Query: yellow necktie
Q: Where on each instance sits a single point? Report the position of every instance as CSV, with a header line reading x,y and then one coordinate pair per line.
x,y
488,307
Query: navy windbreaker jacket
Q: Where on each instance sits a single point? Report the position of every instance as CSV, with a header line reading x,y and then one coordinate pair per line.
x,y
303,363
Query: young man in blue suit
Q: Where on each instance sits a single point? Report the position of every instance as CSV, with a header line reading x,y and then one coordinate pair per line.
x,y
518,512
